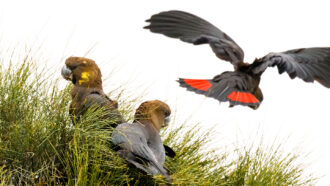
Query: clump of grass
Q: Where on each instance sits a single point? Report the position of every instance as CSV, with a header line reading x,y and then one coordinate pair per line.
x,y
40,145
263,166
32,123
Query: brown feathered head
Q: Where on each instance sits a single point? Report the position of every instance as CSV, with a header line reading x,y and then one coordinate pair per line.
x,y
156,112
82,72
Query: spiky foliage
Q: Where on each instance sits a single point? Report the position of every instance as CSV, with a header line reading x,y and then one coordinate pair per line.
x,y
40,145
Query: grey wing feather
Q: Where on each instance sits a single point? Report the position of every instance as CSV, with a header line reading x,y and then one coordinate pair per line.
x,y
96,99
229,82
308,64
192,29
110,107
224,84
131,137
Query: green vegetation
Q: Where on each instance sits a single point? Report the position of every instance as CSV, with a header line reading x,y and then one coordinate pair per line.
x,y
40,145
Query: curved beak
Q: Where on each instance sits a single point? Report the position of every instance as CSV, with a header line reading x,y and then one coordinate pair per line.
x,y
66,73
167,120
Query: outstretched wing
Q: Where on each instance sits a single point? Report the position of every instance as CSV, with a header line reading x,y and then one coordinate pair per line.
x,y
192,29
308,64
229,86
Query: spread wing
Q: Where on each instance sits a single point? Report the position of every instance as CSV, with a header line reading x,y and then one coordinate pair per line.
x,y
308,64
192,29
130,137
229,86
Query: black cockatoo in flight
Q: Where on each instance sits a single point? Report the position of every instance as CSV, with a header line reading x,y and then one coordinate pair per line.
x,y
241,86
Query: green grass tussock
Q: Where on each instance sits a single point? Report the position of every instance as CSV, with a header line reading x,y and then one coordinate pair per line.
x,y
40,145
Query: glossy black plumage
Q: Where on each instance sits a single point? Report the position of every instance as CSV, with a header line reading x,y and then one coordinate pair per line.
x,y
226,83
240,87
192,29
308,64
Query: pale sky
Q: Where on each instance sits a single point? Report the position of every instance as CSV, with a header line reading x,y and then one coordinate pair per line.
x,y
293,112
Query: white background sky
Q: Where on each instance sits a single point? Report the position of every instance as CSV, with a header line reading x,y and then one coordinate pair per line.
x,y
293,112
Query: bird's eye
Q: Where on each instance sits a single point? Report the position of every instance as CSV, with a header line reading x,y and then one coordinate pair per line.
x,y
72,67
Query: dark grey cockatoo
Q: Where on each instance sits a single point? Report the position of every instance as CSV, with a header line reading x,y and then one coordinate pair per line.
x,y
140,143
241,86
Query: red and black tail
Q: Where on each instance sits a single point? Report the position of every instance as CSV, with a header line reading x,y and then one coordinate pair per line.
x,y
220,91
200,85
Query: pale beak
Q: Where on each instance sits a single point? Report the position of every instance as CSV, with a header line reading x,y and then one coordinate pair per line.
x,y
66,73
167,120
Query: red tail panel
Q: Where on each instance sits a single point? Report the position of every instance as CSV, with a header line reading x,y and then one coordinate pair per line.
x,y
243,97
200,84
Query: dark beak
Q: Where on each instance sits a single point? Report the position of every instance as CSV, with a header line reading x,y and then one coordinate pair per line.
x,y
66,73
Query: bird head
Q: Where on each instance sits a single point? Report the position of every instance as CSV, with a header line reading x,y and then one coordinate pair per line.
x,y
155,112
82,72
